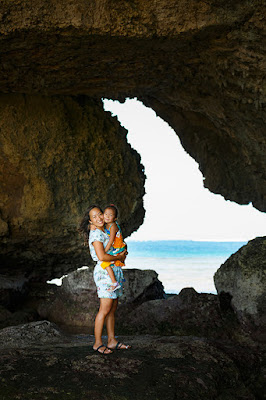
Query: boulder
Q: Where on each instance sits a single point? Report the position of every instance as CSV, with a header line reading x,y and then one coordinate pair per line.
x,y
31,334
243,278
75,303
140,286
188,313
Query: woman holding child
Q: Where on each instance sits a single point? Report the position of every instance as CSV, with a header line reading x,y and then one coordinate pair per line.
x,y
98,239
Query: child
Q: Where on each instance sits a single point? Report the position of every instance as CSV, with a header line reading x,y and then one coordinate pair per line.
x,y
115,245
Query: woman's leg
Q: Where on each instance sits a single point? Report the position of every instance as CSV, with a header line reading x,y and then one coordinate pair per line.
x,y
110,324
104,310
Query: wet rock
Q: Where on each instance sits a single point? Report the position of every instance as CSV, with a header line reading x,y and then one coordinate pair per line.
x,y
243,278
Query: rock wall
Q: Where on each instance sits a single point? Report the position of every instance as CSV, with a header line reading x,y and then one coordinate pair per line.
x,y
199,64
58,155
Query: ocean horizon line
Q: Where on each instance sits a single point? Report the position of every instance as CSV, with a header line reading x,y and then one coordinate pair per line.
x,y
189,240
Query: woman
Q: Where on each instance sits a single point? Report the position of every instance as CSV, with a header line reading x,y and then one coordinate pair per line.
x,y
98,239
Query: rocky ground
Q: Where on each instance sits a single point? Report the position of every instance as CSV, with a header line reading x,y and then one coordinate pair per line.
x,y
186,346
45,363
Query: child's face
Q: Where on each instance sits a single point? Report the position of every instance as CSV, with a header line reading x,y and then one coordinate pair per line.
x,y
109,215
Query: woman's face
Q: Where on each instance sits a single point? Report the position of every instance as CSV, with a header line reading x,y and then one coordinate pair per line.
x,y
96,217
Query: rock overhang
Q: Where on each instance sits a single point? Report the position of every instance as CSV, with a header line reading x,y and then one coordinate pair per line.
x,y
199,65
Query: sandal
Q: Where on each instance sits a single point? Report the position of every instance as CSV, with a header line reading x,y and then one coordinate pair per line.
x,y
119,345
102,352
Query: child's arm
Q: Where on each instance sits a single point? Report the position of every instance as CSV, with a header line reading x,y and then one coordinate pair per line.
x,y
92,227
113,231
100,252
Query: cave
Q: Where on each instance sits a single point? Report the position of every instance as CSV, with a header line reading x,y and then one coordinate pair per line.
x,y
198,65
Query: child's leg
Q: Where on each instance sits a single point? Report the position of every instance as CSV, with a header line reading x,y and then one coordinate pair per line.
x,y
111,273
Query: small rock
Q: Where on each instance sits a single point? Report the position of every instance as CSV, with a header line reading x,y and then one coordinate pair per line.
x,y
29,334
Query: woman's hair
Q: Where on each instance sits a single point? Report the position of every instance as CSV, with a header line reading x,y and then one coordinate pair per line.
x,y
85,223
112,207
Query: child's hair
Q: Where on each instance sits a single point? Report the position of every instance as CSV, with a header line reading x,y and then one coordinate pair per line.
x,y
113,208
85,223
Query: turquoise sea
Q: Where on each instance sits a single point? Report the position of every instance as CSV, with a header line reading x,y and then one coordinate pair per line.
x,y
181,263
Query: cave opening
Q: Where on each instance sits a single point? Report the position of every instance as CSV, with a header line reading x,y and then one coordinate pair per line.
x,y
179,210
174,180
204,228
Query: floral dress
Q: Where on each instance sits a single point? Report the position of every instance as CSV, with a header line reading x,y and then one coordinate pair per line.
x,y
101,276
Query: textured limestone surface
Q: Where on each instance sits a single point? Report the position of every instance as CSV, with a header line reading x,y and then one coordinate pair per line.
x,y
199,64
48,364
243,277
58,155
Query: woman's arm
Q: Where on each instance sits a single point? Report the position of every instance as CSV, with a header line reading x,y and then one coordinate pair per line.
x,y
102,256
113,231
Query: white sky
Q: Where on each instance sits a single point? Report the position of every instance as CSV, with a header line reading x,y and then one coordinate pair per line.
x,y
177,205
